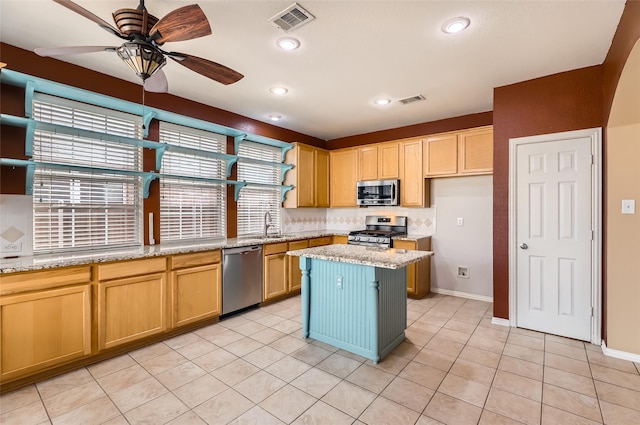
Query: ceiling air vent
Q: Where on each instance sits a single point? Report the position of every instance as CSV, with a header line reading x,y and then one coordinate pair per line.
x,y
411,99
292,17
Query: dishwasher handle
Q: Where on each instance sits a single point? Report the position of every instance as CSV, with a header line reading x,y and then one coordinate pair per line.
x,y
242,250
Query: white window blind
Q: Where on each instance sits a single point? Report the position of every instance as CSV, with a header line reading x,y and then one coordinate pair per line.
x,y
192,209
254,202
85,209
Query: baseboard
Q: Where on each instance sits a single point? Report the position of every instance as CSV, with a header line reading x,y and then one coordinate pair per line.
x,y
620,354
461,294
500,321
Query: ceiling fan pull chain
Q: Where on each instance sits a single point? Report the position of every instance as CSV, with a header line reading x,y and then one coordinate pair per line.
x,y
143,90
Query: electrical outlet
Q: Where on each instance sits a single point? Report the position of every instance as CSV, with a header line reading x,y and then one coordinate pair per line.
x,y
463,272
339,282
460,221
628,206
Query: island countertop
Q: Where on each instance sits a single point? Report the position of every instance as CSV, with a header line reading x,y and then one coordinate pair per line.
x,y
388,258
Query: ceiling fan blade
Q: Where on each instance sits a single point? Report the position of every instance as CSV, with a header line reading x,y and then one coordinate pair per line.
x,y
84,12
157,83
182,24
72,50
209,69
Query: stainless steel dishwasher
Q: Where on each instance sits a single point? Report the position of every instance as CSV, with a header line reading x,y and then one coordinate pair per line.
x,y
241,278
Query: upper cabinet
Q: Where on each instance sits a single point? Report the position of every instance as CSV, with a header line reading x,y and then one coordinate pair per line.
x,y
379,161
310,176
344,175
468,152
414,192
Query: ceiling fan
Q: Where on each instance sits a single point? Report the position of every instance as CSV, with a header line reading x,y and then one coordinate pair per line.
x,y
144,34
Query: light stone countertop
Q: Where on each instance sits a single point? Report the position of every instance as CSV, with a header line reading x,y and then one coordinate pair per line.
x,y
363,255
49,261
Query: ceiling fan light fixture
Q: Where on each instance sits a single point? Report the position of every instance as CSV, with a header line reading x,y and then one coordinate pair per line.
x,y
142,59
288,43
455,25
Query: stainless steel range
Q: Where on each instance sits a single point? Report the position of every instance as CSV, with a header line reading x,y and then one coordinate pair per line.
x,y
379,231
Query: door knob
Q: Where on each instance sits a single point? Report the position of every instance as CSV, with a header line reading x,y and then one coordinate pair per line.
x,y
524,246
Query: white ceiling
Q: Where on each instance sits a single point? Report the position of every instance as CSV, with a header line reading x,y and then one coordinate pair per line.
x,y
351,54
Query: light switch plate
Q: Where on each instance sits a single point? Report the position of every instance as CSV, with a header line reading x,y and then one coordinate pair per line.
x,y
628,206
460,221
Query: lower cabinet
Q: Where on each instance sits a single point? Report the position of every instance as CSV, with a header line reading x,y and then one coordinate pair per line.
x,y
132,301
418,274
274,274
45,321
196,287
341,239
295,274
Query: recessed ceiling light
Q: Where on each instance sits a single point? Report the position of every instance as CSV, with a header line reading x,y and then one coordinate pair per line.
x,y
279,90
455,25
288,43
383,101
275,117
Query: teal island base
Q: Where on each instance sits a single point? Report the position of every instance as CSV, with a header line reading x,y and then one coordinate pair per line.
x,y
358,308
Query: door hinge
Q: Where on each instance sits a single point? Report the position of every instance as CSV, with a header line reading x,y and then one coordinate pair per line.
x,y
592,160
591,311
592,235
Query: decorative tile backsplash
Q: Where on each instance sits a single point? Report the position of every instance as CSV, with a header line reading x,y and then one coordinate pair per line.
x,y
420,220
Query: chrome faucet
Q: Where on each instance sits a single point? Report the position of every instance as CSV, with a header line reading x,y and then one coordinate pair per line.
x,y
266,225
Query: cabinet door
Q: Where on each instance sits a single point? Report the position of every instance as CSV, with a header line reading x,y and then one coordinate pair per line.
x,y
475,151
388,160
411,268
412,183
322,178
295,275
344,174
441,155
130,309
44,329
196,294
275,276
341,239
368,163
306,176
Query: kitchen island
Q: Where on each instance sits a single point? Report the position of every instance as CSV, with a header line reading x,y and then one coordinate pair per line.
x,y
355,297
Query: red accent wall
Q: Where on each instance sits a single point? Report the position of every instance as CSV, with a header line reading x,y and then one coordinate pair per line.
x,y
561,102
432,127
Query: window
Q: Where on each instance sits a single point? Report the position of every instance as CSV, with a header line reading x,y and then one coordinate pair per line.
x,y
75,209
255,201
192,209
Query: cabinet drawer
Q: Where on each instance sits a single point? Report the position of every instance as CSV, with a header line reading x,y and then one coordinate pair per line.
x,y
195,259
31,281
298,245
275,248
131,268
343,239
325,240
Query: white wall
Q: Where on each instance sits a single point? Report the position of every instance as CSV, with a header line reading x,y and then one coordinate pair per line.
x,y
471,245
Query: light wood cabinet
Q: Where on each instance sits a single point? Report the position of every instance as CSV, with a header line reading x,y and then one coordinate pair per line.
x,y
418,274
43,328
295,274
475,151
440,155
310,176
368,162
275,270
321,241
340,239
344,175
468,152
132,301
379,161
414,192
196,287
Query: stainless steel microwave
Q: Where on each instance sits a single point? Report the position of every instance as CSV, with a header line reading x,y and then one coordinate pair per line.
x,y
378,192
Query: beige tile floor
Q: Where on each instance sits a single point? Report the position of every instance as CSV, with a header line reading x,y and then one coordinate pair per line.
x,y
455,367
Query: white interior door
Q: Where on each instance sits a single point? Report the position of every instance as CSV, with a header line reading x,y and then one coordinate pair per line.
x,y
554,236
